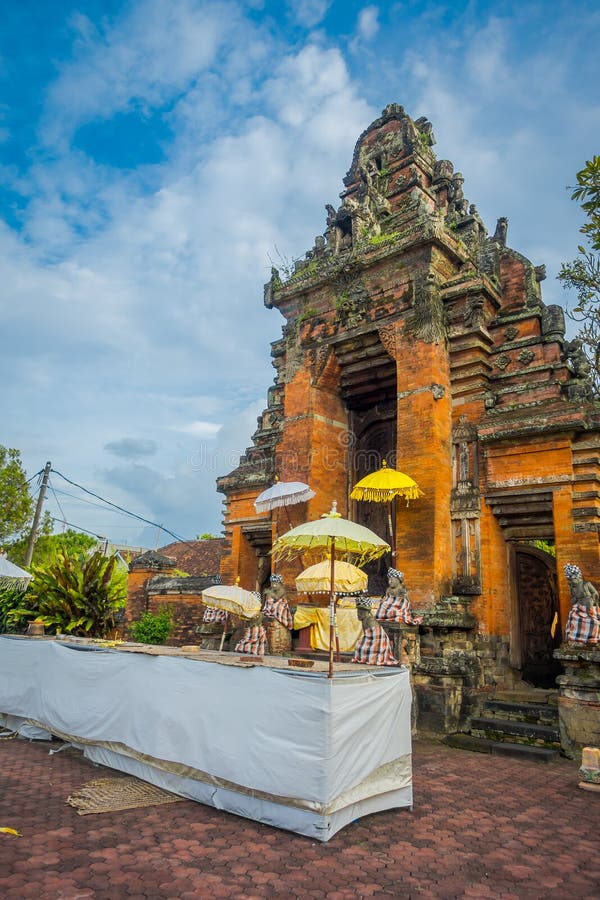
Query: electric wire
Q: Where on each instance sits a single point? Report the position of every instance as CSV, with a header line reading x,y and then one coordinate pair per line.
x,y
101,537
123,510
88,502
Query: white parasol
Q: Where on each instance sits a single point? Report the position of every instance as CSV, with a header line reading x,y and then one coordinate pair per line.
x,y
283,493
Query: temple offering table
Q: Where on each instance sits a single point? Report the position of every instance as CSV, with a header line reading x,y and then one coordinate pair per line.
x,y
281,745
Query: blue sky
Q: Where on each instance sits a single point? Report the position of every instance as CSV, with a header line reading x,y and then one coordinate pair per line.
x,y
157,154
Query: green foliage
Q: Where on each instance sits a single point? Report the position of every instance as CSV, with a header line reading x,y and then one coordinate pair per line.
x,y
74,594
587,193
16,503
10,599
546,546
306,314
583,274
49,546
206,536
153,628
305,272
378,239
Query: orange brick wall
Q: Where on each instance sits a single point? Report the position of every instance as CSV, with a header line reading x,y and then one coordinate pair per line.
x,y
423,538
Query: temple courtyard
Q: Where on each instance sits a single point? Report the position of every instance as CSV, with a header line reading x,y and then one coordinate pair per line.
x,y
482,826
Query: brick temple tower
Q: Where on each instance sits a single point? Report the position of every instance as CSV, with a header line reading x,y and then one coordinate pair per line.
x,y
414,336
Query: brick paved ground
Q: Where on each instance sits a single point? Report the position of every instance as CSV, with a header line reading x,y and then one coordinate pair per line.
x,y
482,827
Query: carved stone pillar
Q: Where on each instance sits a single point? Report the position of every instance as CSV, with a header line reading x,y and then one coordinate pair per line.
x,y
465,510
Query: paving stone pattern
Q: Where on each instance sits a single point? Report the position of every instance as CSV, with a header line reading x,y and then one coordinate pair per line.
x,y
481,827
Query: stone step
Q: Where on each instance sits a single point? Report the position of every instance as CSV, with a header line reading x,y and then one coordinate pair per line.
x,y
542,714
518,732
541,696
501,748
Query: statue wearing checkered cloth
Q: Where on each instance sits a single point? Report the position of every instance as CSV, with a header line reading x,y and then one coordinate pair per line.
x,y
373,648
254,638
395,606
275,605
583,622
212,615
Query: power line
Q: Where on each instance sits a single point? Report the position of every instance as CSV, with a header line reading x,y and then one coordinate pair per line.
x,y
83,500
57,500
121,509
101,537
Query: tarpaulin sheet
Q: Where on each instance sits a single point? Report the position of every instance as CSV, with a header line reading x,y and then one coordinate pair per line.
x,y
293,749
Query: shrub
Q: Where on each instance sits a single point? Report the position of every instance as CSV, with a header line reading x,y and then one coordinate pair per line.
x,y
75,594
153,628
11,598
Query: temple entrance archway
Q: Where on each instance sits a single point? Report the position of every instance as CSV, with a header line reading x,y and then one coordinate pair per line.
x,y
374,440
536,605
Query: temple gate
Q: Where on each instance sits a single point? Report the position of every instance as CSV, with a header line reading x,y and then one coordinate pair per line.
x,y
412,334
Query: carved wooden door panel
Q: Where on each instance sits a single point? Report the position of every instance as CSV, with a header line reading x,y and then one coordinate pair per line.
x,y
537,605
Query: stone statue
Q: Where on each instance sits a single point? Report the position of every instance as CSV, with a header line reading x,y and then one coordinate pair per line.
x,y
278,617
583,623
501,231
395,605
373,648
254,638
576,359
461,205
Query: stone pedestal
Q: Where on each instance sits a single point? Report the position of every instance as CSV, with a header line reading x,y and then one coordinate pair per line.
x,y
579,697
447,673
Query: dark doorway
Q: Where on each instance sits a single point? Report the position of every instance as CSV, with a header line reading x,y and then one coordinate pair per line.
x,y
537,605
374,434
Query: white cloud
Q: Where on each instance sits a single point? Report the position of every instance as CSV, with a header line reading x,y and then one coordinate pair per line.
x,y
200,429
367,25
309,13
147,56
132,301
153,314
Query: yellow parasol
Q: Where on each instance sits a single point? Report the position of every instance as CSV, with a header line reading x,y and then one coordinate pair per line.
x,y
383,486
348,579
333,534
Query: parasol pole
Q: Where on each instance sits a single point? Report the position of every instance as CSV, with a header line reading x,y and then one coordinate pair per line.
x,y
223,635
331,609
391,507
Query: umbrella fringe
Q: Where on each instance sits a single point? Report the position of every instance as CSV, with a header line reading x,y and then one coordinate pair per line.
x,y
287,553
290,500
376,495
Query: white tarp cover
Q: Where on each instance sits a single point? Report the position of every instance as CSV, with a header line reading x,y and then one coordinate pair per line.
x,y
290,749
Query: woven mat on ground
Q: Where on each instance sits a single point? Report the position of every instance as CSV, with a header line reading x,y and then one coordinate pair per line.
x,y
112,794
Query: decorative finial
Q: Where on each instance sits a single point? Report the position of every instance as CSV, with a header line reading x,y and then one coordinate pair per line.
x,y
333,513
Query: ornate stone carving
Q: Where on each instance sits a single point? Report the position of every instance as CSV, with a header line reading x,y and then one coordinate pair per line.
x,y
387,336
526,356
319,358
540,272
271,286
577,361
459,202
474,312
511,333
427,319
503,361
501,231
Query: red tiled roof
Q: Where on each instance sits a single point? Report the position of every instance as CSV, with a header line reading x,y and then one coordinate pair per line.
x,y
196,557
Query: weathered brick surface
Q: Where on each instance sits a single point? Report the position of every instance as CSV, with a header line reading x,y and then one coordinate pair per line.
x,y
481,827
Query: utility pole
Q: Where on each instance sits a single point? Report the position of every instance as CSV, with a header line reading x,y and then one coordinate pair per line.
x,y
38,513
